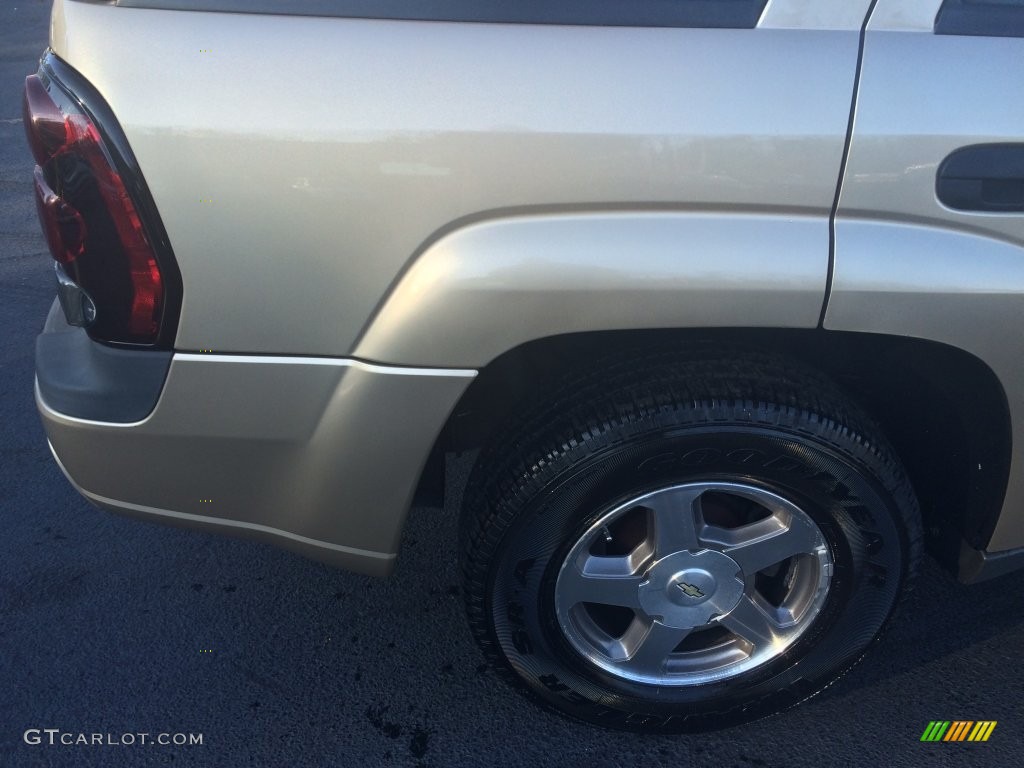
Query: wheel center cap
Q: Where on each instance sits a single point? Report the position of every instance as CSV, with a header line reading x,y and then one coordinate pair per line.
x,y
689,589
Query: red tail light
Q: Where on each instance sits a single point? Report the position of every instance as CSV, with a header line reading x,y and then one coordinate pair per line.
x,y
63,225
44,122
92,224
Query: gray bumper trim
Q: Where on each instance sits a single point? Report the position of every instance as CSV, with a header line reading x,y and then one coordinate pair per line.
x,y
979,565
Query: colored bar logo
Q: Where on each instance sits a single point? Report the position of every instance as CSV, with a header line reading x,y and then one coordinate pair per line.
x,y
958,730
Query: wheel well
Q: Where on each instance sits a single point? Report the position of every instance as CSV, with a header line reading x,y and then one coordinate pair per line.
x,y
943,409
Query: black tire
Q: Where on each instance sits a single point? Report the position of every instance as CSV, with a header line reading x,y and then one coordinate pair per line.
x,y
661,419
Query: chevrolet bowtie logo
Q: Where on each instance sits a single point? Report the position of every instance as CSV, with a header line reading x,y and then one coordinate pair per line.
x,y
689,590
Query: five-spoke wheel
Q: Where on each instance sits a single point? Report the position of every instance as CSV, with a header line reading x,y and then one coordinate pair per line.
x,y
692,583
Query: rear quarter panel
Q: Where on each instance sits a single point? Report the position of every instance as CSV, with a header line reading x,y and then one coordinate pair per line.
x,y
300,164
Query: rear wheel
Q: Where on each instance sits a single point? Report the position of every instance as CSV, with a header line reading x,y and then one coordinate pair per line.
x,y
686,543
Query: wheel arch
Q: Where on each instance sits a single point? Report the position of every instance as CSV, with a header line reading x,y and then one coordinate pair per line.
x,y
943,409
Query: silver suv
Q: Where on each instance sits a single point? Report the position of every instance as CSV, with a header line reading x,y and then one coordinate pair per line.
x,y
727,294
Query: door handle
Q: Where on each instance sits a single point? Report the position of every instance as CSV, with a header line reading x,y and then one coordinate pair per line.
x,y
985,177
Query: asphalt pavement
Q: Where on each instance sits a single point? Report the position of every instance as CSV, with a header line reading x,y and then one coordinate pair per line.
x,y
117,627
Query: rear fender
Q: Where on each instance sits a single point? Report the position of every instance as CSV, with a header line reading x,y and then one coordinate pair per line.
x,y
490,286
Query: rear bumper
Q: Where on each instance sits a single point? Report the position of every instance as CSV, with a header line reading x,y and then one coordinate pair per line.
x,y
318,455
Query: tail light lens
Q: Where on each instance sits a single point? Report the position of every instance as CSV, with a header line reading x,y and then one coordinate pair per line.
x,y
91,221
